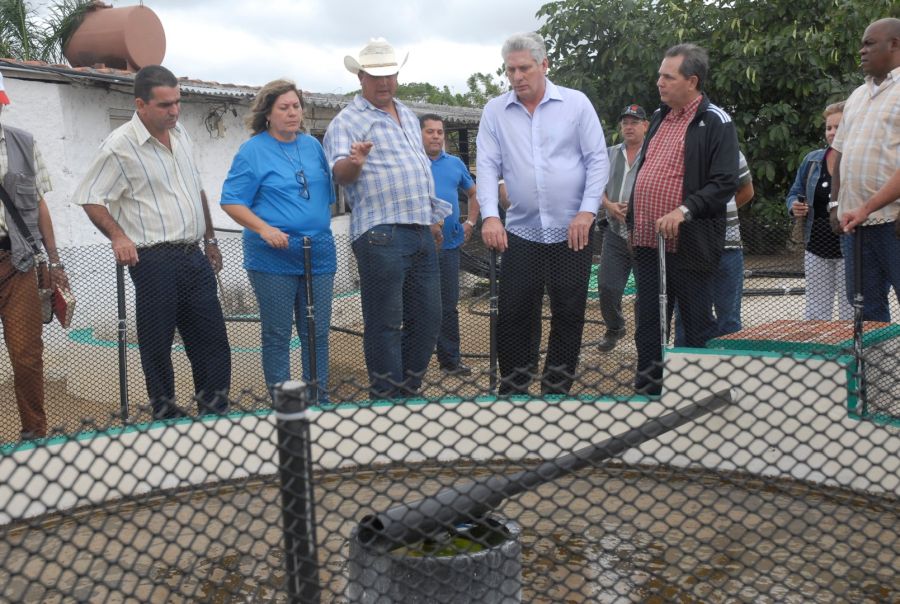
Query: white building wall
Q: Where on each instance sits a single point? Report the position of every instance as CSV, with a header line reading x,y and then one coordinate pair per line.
x,y
69,121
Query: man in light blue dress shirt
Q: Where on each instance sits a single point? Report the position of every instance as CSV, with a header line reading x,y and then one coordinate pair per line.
x,y
548,144
374,147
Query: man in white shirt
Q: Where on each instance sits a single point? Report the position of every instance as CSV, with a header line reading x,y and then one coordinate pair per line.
x,y
548,144
146,175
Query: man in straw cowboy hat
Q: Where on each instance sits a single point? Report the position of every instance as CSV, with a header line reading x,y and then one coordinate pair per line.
x,y
374,146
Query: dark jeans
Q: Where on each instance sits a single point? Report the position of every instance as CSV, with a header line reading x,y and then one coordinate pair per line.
x,y
881,268
528,269
692,290
401,305
175,287
448,338
612,277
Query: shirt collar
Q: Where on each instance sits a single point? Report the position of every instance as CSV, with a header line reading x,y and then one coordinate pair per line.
x,y
362,103
142,134
441,156
689,109
891,78
551,93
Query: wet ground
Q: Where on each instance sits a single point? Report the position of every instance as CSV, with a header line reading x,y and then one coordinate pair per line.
x,y
615,534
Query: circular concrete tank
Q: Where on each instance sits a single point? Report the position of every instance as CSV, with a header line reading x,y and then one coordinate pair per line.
x,y
128,37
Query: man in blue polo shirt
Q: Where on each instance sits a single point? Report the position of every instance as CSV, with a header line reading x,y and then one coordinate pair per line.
x,y
450,176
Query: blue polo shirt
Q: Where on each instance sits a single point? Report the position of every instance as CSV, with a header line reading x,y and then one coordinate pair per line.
x,y
450,175
263,178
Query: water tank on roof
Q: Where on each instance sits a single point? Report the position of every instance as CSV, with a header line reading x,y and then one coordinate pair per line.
x,y
128,37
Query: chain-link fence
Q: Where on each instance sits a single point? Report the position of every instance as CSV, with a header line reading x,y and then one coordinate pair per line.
x,y
525,463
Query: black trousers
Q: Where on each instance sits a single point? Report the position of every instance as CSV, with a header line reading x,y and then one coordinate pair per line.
x,y
175,287
694,292
529,269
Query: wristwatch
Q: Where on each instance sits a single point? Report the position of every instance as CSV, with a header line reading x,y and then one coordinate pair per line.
x,y
470,223
686,211
832,205
211,241
56,265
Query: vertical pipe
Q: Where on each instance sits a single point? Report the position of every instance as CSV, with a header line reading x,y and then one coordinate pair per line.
x,y
311,320
122,340
858,301
493,321
663,296
297,495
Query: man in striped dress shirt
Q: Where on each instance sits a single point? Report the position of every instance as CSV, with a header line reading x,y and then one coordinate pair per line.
x,y
143,191
686,176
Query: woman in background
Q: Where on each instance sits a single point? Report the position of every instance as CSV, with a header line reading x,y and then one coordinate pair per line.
x,y
808,200
279,189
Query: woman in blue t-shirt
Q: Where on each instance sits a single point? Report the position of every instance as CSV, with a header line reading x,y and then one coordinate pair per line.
x,y
279,189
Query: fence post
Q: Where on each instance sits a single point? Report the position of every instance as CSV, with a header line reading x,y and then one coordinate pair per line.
x,y
122,340
297,495
310,320
858,303
492,278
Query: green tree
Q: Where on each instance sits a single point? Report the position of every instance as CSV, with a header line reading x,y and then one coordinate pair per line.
x,y
26,37
423,92
773,66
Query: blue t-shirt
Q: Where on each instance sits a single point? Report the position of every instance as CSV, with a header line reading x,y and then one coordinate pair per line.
x,y
450,175
263,177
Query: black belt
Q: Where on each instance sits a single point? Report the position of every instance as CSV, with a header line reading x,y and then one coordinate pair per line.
x,y
185,247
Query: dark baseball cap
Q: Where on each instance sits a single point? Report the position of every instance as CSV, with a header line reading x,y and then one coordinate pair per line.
x,y
634,111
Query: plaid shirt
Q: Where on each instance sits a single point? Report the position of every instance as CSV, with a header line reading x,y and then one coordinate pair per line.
x,y
41,175
395,185
867,139
659,186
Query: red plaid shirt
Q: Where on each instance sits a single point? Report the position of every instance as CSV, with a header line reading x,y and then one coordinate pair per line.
x,y
659,187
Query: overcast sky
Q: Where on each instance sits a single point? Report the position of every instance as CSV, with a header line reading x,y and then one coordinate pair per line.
x,y
241,42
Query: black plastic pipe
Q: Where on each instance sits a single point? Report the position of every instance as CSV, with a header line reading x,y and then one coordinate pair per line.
x,y
435,515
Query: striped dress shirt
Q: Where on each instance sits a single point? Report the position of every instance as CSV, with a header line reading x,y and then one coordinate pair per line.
x,y
395,185
41,175
152,193
869,141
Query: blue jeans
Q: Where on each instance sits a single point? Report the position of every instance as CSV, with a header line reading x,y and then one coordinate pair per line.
x,y
175,287
881,268
448,338
400,286
282,300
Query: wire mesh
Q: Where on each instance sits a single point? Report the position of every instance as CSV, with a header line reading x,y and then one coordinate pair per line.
x,y
787,493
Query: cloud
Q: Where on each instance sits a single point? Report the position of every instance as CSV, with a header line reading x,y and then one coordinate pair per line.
x,y
252,43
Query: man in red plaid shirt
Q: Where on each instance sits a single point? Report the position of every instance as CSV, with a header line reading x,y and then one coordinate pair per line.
x,y
687,174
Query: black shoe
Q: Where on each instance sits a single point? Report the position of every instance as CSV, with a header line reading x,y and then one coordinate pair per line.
x,y
610,339
459,370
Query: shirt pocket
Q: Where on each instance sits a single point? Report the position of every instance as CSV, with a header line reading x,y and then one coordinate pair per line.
x,y
26,193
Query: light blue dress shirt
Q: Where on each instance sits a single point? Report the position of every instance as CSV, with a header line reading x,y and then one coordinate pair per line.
x,y
554,162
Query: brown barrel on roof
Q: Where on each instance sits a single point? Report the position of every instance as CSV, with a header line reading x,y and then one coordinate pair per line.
x,y
128,37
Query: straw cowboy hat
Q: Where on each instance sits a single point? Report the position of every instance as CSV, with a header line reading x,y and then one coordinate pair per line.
x,y
377,58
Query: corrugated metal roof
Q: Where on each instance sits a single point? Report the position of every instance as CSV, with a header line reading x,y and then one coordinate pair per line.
x,y
464,116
